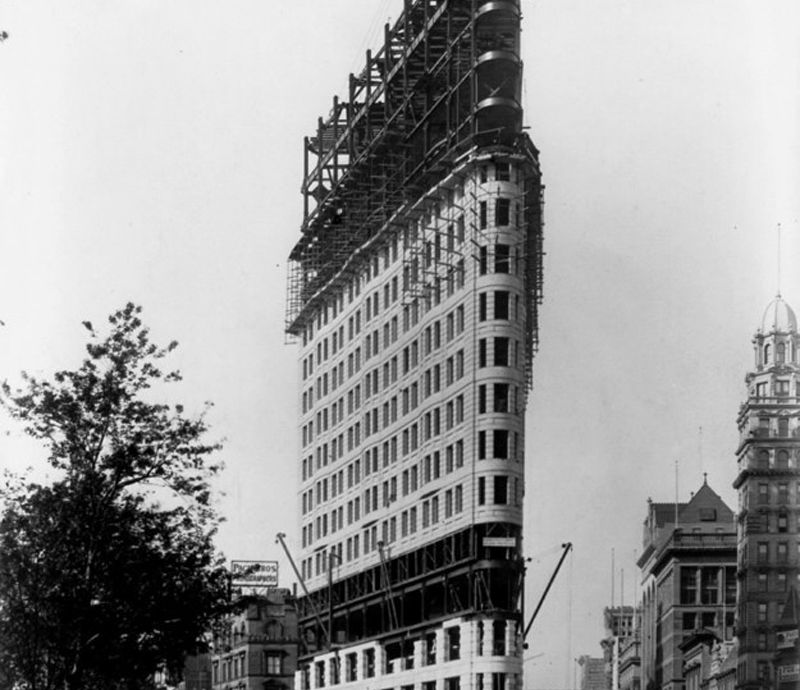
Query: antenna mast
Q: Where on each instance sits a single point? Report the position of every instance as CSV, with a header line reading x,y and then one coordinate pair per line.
x,y
779,259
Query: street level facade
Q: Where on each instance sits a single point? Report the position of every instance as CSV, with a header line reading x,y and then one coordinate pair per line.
x,y
413,295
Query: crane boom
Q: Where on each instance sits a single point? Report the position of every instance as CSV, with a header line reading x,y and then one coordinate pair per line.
x,y
279,537
567,548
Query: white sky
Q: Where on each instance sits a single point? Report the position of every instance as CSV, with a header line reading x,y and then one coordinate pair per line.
x,y
152,152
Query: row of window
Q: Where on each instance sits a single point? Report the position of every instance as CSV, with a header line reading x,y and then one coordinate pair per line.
x,y
331,309
693,621
780,388
431,338
496,443
329,346
431,381
498,490
499,444
773,582
502,213
500,302
779,554
428,512
774,493
704,585
779,429
429,469
761,614
781,459
402,656
452,229
430,515
429,341
268,663
784,352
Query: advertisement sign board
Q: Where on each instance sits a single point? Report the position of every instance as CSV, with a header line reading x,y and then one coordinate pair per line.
x,y
505,542
789,672
254,573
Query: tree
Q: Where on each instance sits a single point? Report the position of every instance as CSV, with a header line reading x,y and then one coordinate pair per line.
x,y
110,571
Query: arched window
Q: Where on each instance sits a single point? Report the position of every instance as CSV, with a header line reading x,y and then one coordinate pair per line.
x,y
766,354
763,460
783,460
780,353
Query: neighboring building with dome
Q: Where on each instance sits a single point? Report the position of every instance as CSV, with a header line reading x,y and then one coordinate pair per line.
x,y
768,483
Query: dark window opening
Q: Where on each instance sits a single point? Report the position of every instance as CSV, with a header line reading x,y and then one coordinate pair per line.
x,y
501,352
500,304
500,444
501,397
502,212
502,258
500,490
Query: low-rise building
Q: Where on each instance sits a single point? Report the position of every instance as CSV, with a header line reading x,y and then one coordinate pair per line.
x,y
255,648
594,674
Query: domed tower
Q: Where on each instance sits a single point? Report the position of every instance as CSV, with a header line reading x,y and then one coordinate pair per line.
x,y
768,482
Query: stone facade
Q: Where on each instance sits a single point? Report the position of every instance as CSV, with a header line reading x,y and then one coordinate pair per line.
x,y
688,570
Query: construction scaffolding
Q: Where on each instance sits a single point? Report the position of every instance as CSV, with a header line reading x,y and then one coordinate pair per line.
x,y
446,81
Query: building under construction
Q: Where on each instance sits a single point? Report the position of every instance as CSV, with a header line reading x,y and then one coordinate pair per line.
x,y
413,295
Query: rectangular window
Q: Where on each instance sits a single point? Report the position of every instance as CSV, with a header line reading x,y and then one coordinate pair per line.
x,y
482,215
762,582
500,444
709,592
688,585
500,490
501,352
502,212
501,304
482,352
501,397
762,612
482,306
502,258
481,491
453,650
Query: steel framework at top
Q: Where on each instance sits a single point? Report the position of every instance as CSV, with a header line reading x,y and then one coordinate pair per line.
x,y
447,79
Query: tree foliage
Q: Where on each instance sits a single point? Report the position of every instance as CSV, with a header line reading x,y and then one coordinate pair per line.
x,y
109,572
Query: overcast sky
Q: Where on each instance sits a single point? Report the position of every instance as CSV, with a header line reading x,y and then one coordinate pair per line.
x,y
152,152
